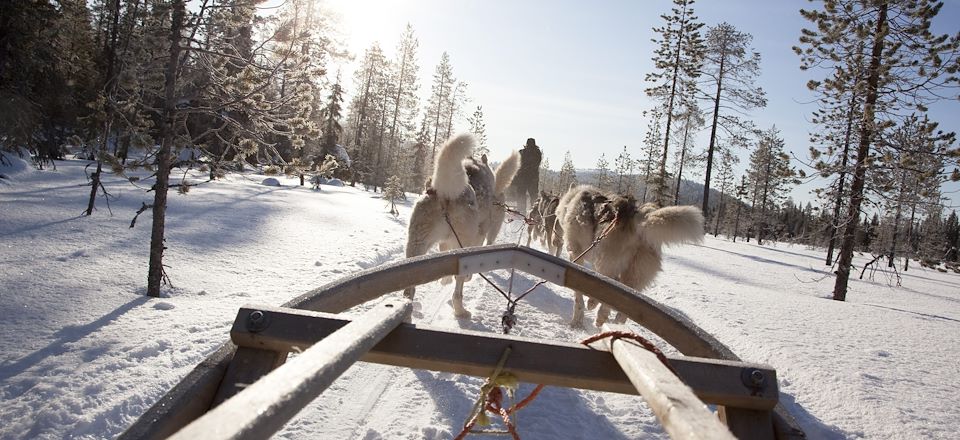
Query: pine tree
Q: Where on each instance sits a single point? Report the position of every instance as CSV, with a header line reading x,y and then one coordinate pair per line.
x,y
405,98
547,180
677,61
441,95
478,128
624,166
742,193
907,66
691,120
730,68
952,237
769,174
727,179
652,141
568,174
366,111
912,168
393,192
604,179
332,130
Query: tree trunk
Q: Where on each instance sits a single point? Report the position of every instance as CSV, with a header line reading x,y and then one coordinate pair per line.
x,y
716,228
713,136
110,53
736,224
860,168
666,137
840,181
156,273
897,218
683,154
906,258
763,199
436,121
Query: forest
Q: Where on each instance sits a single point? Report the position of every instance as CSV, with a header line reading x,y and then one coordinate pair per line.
x,y
219,85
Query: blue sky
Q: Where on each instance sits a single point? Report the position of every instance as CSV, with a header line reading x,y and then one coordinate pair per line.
x,y
570,73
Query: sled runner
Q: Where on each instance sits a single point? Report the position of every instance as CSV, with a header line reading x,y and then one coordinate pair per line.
x,y
246,389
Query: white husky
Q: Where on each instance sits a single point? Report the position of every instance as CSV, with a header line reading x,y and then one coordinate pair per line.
x,y
462,205
631,250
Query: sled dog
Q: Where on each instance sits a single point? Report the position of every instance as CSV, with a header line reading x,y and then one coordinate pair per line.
x,y
461,207
631,250
547,229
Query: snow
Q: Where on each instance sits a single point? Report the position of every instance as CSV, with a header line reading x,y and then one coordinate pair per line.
x,y
83,352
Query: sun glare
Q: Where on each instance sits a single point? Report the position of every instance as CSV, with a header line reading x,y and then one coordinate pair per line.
x,y
364,21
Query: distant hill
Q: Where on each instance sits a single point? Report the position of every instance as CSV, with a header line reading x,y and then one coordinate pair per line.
x,y
691,193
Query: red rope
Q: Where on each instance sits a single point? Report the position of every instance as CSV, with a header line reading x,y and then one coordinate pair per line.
x,y
494,404
616,334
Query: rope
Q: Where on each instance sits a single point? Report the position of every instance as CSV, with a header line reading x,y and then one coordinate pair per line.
x,y
508,319
618,334
491,399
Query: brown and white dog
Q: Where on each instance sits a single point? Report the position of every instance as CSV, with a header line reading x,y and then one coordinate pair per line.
x,y
631,251
464,190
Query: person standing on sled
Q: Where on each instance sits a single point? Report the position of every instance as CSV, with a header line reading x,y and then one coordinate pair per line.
x,y
527,181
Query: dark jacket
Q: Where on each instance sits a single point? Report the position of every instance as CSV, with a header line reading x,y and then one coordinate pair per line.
x,y
529,173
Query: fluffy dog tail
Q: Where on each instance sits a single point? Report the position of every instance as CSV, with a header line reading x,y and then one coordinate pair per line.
x,y
673,225
505,172
449,175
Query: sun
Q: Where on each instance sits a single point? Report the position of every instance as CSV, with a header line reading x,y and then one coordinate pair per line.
x,y
362,22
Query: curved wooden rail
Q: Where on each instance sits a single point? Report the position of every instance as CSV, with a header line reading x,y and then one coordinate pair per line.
x,y
196,393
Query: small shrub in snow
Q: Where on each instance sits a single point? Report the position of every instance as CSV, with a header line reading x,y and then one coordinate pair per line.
x,y
271,170
392,192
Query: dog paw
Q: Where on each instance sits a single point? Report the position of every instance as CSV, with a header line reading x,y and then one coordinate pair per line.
x,y
462,314
576,323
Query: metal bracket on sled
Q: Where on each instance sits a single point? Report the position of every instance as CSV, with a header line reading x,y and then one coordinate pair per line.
x,y
512,259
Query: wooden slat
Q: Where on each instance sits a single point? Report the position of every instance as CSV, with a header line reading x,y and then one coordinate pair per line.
x,y
248,366
748,423
532,361
265,406
682,415
377,281
187,401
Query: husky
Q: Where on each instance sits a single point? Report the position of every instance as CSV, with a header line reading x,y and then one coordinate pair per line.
x,y
463,205
631,252
546,229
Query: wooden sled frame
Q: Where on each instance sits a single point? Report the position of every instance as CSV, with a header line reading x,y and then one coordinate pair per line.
x,y
746,394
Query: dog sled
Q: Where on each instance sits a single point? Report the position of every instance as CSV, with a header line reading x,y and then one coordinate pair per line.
x,y
246,389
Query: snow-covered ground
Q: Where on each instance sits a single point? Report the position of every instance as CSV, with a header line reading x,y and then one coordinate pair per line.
x,y
83,352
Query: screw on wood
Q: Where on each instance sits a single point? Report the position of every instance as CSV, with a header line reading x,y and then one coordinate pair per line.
x,y
754,379
257,321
